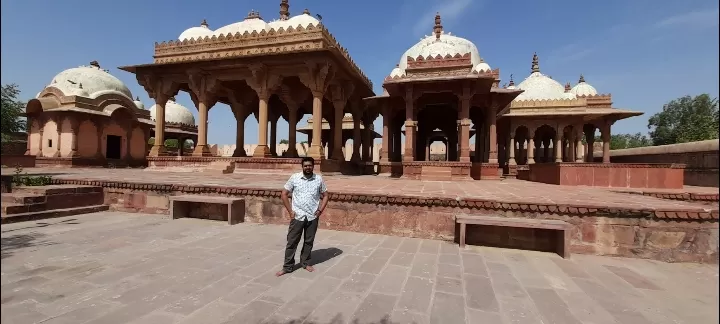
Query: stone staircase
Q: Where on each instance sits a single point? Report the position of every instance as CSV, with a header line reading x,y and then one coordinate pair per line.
x,y
220,167
435,173
33,203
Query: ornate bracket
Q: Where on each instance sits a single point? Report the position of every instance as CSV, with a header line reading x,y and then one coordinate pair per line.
x,y
204,88
263,81
340,92
158,88
317,77
239,104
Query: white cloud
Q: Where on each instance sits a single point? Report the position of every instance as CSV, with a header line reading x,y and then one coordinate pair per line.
x,y
448,9
693,19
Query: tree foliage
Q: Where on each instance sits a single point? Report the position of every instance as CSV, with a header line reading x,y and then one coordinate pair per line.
x,y
171,143
284,141
686,119
12,110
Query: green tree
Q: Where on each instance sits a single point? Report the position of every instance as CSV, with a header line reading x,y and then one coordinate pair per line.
x,y
624,141
171,143
12,109
686,119
284,141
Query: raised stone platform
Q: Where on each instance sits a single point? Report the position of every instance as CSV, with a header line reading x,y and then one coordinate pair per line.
x,y
614,175
604,222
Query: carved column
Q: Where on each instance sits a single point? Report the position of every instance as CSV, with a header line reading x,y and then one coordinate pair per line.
x,y
59,122
367,141
579,151
317,78
292,131
273,136
605,136
397,149
590,139
337,140
492,134
264,82
75,130
203,86
386,137
357,135
558,147
410,124
240,112
160,90
464,123
531,148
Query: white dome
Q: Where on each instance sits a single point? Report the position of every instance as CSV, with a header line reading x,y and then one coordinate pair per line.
x,y
583,88
397,72
482,67
139,103
89,81
196,32
304,20
175,113
538,86
446,44
252,23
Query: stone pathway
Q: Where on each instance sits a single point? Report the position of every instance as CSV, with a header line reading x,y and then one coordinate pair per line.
x,y
131,268
510,191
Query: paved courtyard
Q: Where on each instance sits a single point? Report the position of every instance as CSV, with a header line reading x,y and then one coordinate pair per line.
x,y
510,191
131,268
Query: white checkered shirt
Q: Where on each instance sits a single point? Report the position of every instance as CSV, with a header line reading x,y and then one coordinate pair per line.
x,y
305,195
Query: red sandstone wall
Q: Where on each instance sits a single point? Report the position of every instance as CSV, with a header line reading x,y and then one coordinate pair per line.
x,y
25,161
615,175
700,158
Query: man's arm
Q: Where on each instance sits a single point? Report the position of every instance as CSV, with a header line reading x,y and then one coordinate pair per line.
x,y
324,197
286,201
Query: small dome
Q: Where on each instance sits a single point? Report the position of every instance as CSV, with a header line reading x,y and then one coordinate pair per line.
x,y
139,103
253,22
89,81
482,67
538,86
175,113
583,88
196,32
442,44
397,72
304,20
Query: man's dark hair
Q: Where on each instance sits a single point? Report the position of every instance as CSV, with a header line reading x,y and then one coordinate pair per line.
x,y
307,159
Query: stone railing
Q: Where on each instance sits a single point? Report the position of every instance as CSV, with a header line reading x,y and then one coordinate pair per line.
x,y
700,158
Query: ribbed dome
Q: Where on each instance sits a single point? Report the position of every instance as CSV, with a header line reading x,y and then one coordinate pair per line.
x,y
89,81
583,88
304,20
253,22
538,86
196,32
175,113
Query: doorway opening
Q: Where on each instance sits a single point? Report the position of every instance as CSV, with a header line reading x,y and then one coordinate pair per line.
x,y
113,147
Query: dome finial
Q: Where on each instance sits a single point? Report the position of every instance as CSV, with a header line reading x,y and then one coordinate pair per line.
x,y
438,29
137,98
567,87
582,79
204,23
512,82
172,98
535,64
306,12
284,10
95,64
253,15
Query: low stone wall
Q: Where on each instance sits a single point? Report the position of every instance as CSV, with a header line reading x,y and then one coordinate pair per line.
x,y
11,161
689,235
614,175
700,158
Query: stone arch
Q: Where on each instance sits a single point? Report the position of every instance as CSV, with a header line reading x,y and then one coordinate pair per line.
x,y
50,139
87,139
522,133
113,128
544,139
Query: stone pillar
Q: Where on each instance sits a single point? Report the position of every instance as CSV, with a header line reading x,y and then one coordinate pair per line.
x,y
511,149
99,128
492,134
273,137
367,142
59,123
386,137
75,130
158,148
410,125
41,131
316,149
240,116
292,130
605,136
338,114
531,148
357,136
201,148
262,150
558,148
579,151
464,125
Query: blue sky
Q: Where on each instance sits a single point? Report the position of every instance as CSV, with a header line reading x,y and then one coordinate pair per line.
x,y
644,52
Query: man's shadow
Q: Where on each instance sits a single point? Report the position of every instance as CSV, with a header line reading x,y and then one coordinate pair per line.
x,y
322,255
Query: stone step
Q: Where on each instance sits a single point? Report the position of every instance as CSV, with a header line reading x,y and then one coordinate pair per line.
x,y
22,198
18,208
30,216
222,167
57,190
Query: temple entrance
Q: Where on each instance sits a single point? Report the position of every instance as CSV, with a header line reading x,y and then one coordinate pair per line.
x,y
113,150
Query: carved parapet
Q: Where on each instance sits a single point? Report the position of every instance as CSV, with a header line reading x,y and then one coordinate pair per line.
x,y
439,62
549,103
598,100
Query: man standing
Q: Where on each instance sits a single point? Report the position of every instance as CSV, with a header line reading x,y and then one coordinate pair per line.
x,y
309,198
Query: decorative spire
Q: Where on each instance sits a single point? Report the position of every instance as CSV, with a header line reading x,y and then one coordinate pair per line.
x,y
438,29
137,98
204,24
172,98
253,15
535,64
567,87
284,10
306,12
95,64
512,82
582,79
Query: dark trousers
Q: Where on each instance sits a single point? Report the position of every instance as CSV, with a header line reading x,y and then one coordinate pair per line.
x,y
297,228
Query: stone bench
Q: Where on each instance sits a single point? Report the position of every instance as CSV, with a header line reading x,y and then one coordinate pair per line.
x,y
563,240
179,206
